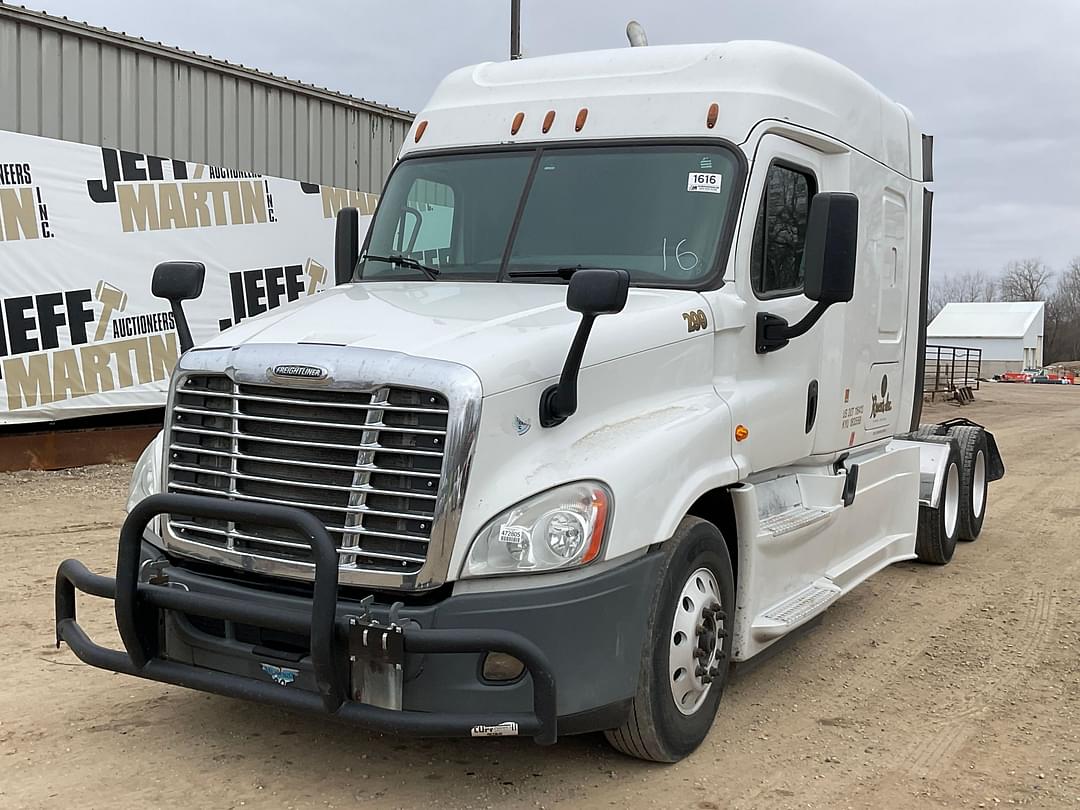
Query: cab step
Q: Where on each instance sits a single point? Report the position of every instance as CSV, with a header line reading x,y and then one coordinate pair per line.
x,y
795,610
795,519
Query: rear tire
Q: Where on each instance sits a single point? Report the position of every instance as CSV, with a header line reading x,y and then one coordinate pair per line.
x,y
687,651
973,481
935,540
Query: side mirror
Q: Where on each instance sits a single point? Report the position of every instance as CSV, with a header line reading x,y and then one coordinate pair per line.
x,y
177,282
592,292
346,244
832,243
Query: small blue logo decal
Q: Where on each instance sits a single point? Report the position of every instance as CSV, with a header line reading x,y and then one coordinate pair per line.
x,y
280,675
521,425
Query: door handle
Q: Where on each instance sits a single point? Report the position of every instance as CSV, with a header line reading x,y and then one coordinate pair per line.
x,y
811,405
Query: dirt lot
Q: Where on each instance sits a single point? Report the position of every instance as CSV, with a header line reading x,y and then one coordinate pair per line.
x,y
926,687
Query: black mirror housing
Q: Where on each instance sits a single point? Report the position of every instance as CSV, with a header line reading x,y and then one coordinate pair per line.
x,y
592,291
346,244
177,282
598,291
832,242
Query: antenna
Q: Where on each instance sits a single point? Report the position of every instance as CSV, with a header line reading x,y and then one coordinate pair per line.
x,y
635,32
515,29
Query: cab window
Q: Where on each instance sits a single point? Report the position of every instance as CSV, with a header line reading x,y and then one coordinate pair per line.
x,y
452,213
776,257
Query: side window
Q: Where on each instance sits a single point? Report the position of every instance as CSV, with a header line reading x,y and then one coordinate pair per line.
x,y
426,227
776,258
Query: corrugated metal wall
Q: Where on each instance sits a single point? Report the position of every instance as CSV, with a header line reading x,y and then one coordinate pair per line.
x,y
63,79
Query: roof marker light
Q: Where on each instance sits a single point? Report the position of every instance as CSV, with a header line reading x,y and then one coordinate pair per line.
x,y
420,128
710,119
549,119
579,124
518,120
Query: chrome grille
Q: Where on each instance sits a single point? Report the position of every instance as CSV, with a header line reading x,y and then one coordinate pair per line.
x,y
368,465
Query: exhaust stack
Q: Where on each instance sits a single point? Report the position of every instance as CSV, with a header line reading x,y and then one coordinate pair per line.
x,y
635,32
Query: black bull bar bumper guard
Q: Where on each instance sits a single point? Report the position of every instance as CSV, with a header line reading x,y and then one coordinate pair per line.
x,y
137,606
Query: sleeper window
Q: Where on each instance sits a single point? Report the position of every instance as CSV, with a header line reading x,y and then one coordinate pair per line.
x,y
776,258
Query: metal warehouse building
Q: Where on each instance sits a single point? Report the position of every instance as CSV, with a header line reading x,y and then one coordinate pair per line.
x,y
72,81
1009,334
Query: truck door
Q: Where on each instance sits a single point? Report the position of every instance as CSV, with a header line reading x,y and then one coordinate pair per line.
x,y
776,395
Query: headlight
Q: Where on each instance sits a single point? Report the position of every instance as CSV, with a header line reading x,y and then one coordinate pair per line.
x,y
561,528
146,478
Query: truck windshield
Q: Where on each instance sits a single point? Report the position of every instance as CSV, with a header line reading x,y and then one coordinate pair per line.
x,y
656,210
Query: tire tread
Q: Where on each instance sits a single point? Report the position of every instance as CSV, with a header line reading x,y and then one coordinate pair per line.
x,y
970,440
930,541
623,739
639,735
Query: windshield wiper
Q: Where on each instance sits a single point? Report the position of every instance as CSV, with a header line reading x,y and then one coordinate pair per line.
x,y
556,272
405,261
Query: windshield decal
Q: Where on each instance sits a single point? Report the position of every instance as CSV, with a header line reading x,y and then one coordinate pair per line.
x,y
708,182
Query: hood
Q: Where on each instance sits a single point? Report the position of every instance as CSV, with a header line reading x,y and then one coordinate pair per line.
x,y
510,334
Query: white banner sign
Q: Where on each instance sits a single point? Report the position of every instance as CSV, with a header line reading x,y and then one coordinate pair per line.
x,y
81,230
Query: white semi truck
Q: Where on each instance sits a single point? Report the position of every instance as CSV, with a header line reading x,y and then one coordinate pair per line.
x,y
621,386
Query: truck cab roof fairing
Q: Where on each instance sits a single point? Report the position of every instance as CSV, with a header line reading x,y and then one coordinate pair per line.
x,y
665,91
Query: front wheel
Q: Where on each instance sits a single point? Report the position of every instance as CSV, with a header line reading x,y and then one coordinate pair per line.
x,y
687,653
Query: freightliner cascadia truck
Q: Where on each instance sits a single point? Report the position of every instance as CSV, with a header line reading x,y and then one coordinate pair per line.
x,y
622,385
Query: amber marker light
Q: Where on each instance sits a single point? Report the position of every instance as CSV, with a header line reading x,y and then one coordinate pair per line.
x,y
710,117
600,507
741,432
519,119
420,129
579,123
549,119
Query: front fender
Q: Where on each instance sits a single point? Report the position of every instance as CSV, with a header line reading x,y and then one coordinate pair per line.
x,y
651,426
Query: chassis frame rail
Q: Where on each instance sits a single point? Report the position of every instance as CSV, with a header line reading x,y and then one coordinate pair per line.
x,y
137,606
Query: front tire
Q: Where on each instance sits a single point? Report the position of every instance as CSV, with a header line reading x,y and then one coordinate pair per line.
x,y
687,653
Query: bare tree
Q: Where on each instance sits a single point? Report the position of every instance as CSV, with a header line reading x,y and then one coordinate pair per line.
x,y
1026,280
974,285
1062,328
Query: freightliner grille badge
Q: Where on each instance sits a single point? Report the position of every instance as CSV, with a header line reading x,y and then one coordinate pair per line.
x,y
299,372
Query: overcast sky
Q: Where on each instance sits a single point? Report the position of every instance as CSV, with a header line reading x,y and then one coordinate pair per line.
x,y
997,83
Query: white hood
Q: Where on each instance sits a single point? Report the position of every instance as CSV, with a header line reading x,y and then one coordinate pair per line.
x,y
510,334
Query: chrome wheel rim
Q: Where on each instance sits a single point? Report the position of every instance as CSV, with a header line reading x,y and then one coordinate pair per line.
x,y
952,499
696,646
978,485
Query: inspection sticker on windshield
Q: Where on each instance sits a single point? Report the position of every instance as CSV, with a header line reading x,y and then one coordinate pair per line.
x,y
703,181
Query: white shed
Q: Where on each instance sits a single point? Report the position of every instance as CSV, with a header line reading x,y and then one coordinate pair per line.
x,y
1010,334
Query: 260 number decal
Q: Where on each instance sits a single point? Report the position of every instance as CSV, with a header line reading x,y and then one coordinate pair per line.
x,y
695,320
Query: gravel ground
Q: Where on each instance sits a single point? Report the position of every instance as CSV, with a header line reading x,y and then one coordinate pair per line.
x,y
925,687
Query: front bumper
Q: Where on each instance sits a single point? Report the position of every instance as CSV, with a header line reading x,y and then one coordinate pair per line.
x,y
586,635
